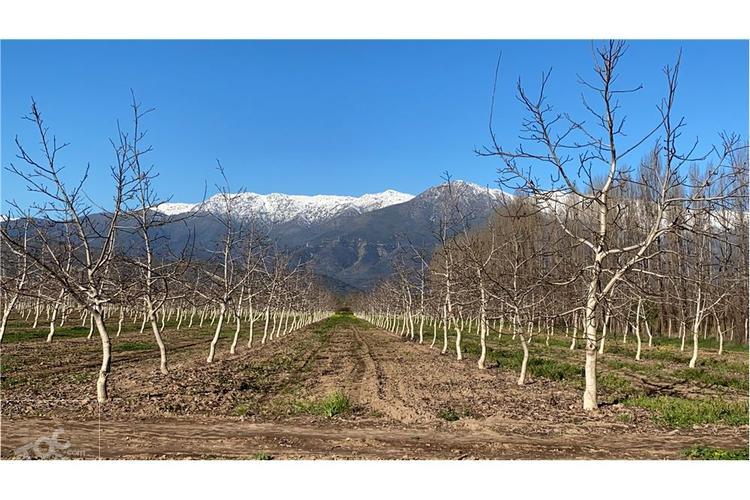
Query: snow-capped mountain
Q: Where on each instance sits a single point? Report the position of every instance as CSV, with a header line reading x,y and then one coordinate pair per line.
x,y
349,240
279,207
464,189
176,208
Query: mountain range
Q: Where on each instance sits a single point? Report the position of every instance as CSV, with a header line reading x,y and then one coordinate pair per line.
x,y
349,241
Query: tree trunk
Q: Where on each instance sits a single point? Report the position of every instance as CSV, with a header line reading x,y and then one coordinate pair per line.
x,y
589,393
459,355
6,314
265,328
445,330
683,333
101,382
36,312
720,334
604,331
575,333
525,361
212,349
160,343
434,332
637,330
696,330
421,328
252,321
91,327
119,322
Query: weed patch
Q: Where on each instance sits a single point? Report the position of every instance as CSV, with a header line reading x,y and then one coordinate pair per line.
x,y
681,412
448,414
334,404
241,410
713,376
708,453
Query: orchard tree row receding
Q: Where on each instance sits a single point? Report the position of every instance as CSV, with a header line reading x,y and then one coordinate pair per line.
x,y
65,259
586,238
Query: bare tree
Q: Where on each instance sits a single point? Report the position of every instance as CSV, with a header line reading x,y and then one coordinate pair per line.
x,y
158,271
86,281
573,151
13,279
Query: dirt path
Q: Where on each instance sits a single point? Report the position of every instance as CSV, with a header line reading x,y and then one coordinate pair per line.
x,y
403,396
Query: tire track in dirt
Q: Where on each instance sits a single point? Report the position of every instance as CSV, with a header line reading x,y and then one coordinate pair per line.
x,y
377,388
337,366
405,383
229,438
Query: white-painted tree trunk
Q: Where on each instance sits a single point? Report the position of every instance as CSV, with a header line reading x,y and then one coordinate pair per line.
x,y
604,331
212,349
696,330
53,317
434,332
6,314
252,321
265,327
589,393
36,312
720,334
91,327
682,333
637,330
445,330
575,333
119,322
459,355
524,361
101,382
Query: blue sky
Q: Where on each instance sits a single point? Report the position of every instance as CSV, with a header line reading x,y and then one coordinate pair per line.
x,y
334,117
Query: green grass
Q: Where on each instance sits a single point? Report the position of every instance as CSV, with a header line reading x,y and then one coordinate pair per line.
x,y
682,412
340,320
17,333
714,376
617,386
619,375
336,403
707,453
261,455
8,364
555,370
133,346
538,365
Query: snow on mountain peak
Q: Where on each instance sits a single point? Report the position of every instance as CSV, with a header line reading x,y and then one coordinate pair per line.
x,y
463,188
175,208
279,207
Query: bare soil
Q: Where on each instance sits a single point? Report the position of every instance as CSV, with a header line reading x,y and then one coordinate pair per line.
x,y
250,405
